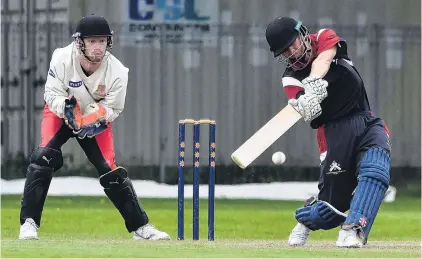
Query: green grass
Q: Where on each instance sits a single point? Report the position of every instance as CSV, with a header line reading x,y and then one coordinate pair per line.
x,y
92,227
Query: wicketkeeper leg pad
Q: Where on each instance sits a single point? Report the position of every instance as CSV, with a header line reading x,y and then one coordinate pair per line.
x,y
119,189
319,215
47,157
373,181
43,162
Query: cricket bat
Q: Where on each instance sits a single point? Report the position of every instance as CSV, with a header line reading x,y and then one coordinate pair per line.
x,y
265,136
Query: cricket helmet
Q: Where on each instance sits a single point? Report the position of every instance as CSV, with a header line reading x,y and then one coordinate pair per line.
x,y
92,25
281,33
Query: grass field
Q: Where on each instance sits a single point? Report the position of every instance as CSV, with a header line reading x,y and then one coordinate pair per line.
x,y
91,227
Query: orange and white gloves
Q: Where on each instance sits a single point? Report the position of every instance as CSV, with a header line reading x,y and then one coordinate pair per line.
x,y
89,124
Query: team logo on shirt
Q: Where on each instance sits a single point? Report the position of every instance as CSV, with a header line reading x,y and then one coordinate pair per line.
x,y
101,90
75,84
335,168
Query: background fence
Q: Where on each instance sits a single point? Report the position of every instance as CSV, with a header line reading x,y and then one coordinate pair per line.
x,y
228,75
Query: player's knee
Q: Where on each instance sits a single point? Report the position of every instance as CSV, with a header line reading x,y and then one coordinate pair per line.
x,y
47,157
114,179
118,187
320,215
375,165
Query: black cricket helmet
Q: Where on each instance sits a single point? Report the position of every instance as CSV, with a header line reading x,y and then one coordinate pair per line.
x,y
92,25
281,33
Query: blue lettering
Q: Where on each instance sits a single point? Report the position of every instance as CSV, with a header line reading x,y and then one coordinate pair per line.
x,y
75,84
143,10
137,12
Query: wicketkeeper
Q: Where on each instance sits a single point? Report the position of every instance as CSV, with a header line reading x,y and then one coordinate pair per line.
x,y
84,93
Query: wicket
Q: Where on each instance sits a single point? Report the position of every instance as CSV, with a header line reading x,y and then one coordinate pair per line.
x,y
211,182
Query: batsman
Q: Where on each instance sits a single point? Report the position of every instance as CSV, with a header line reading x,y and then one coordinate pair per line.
x,y
324,86
84,93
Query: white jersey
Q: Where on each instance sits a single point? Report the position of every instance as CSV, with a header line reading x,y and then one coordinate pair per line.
x,y
107,85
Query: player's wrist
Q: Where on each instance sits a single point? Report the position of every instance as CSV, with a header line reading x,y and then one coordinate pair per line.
x,y
313,77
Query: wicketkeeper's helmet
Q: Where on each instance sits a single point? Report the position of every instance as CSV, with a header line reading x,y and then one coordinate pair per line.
x,y
92,25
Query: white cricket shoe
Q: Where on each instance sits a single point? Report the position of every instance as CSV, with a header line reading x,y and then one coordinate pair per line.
x,y
349,238
299,235
28,230
149,232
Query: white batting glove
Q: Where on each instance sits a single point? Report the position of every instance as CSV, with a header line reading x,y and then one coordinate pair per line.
x,y
308,106
317,86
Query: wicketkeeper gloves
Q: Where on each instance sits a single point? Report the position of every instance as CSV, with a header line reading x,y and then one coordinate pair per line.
x,y
89,124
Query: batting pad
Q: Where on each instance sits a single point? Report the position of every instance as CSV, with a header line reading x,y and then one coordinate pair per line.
x,y
373,181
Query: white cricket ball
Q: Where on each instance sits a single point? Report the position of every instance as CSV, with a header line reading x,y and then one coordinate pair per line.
x,y
279,158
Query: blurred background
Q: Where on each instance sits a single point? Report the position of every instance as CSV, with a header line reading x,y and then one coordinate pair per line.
x,y
209,59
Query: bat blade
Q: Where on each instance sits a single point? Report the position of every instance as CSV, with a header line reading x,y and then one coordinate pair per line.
x,y
265,136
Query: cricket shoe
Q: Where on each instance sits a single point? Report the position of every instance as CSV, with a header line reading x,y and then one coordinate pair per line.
x,y
299,235
349,238
28,230
149,232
